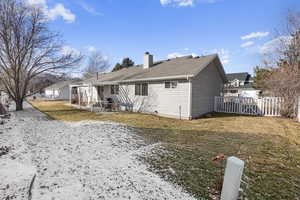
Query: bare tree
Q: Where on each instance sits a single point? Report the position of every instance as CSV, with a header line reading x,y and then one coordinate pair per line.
x,y
284,71
96,63
28,48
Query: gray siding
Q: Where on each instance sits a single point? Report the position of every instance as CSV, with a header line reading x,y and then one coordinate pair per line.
x,y
190,99
164,102
205,86
58,94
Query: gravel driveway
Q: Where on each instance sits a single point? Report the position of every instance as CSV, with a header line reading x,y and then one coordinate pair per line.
x,y
82,160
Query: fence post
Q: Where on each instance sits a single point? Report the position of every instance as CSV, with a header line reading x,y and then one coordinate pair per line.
x,y
232,179
215,105
298,113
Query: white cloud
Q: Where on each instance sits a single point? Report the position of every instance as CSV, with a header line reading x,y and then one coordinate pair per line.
x,y
247,44
165,2
58,11
209,1
36,2
186,49
91,48
175,55
224,54
69,50
255,35
184,3
178,55
106,58
273,45
180,3
89,8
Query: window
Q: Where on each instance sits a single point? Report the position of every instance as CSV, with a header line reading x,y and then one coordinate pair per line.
x,y
174,84
141,89
117,89
167,84
137,89
114,89
171,84
145,89
236,83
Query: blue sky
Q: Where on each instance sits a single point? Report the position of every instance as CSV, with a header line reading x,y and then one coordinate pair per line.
x,y
240,31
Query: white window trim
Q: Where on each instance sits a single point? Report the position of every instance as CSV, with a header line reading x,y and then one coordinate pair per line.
x,y
114,90
141,89
171,84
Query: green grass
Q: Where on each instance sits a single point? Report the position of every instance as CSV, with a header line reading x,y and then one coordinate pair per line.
x,y
269,146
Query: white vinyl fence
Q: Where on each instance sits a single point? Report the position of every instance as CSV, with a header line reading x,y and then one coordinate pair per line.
x,y
266,106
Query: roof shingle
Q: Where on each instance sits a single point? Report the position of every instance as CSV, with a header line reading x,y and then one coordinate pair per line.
x,y
183,66
60,85
243,76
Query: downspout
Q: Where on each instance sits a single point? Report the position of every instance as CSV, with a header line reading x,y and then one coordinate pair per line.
x,y
79,97
190,103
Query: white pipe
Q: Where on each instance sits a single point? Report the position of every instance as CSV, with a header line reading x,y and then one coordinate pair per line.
x,y
232,179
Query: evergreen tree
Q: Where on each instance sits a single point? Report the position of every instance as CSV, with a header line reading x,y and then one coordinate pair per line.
x,y
126,62
260,78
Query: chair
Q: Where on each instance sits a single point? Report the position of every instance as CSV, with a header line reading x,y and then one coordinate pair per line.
x,y
116,107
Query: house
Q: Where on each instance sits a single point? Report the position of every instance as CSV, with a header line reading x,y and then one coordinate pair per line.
x,y
3,95
59,91
182,87
240,85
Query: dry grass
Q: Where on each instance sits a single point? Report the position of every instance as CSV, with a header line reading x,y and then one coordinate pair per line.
x,y
270,147
218,123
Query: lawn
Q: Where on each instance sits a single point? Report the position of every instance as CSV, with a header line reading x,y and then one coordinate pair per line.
x,y
269,146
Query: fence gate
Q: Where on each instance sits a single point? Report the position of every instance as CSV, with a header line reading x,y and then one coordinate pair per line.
x,y
266,106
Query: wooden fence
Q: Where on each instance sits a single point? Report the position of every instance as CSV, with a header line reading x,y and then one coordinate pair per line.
x,y
266,106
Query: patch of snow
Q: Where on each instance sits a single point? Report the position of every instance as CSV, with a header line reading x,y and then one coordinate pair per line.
x,y
15,179
86,160
13,171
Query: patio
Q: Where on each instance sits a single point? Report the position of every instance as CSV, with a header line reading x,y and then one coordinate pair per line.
x,y
96,98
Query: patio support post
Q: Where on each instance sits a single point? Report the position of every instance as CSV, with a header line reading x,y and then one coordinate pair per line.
x,y
232,179
88,96
98,94
298,113
70,92
91,96
79,96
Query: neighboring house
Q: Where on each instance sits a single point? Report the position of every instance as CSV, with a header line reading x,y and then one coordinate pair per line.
x,y
58,91
3,95
183,87
240,85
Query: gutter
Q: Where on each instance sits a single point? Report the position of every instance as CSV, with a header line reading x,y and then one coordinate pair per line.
x,y
158,78
163,78
185,77
79,85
